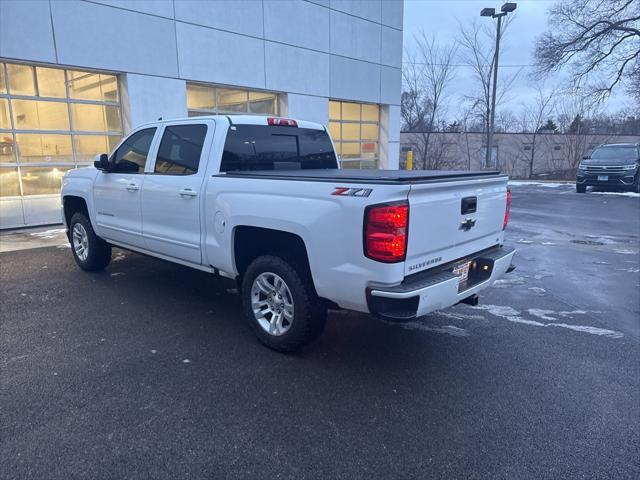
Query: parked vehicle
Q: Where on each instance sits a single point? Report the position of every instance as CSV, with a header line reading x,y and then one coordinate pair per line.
x,y
611,166
261,200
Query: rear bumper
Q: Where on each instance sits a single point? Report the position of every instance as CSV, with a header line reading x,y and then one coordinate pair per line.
x,y
429,291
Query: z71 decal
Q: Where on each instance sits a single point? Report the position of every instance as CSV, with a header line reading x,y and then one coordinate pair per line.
x,y
352,192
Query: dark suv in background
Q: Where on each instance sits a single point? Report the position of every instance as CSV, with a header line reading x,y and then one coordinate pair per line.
x,y
614,166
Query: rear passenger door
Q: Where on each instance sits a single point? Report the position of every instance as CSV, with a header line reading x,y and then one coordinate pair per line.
x,y
171,195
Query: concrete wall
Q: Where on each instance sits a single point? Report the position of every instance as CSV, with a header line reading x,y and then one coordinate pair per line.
x,y
555,155
309,50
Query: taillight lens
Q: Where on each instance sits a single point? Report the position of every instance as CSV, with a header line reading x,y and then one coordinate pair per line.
x,y
506,212
282,122
385,232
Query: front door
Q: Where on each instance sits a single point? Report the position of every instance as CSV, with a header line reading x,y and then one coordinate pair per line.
x,y
117,194
171,195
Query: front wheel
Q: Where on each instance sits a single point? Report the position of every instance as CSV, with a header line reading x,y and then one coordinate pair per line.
x,y
581,188
281,305
90,252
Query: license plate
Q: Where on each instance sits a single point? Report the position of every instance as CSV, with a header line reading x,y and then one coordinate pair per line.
x,y
462,271
603,178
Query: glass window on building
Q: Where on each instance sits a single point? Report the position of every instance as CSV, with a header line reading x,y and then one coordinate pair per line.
x,y
53,120
355,128
208,100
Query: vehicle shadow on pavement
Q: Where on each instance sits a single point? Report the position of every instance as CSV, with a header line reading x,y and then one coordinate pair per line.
x,y
190,302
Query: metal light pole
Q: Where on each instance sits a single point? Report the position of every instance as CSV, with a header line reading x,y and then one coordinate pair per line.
x,y
491,12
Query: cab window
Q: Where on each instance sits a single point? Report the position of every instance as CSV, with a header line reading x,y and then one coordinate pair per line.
x,y
131,156
261,147
180,150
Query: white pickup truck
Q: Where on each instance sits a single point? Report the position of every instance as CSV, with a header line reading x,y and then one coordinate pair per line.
x,y
261,200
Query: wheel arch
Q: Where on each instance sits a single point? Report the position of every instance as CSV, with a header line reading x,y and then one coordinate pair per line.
x,y
250,242
72,204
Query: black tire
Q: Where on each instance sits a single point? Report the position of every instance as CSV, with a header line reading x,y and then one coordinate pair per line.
x,y
98,251
581,188
636,185
309,312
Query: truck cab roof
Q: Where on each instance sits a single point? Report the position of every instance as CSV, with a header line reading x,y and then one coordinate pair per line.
x,y
233,119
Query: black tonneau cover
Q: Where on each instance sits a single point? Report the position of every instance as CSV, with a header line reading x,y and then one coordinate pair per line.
x,y
365,176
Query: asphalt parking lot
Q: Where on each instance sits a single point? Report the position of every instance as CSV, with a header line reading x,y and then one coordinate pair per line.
x,y
147,370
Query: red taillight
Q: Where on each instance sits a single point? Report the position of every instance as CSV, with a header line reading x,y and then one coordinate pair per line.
x,y
282,122
506,212
385,232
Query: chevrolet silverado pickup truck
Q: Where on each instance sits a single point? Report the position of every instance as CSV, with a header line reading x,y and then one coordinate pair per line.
x,y
261,200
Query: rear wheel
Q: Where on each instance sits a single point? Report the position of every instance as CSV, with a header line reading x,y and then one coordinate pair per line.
x,y
90,252
581,188
281,305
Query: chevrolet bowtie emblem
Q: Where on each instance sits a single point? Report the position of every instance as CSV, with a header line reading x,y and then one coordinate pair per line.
x,y
467,224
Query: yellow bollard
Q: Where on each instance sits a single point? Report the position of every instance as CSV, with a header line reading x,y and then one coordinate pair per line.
x,y
409,164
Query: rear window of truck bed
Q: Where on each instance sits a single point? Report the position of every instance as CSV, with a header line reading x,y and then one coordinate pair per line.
x,y
262,147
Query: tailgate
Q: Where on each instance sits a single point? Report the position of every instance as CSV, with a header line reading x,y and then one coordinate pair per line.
x,y
445,226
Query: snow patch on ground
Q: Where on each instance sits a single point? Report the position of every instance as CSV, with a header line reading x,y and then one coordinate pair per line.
x,y
509,282
52,233
65,245
526,242
618,194
446,329
542,314
538,184
458,316
538,290
626,251
587,329
513,315
629,270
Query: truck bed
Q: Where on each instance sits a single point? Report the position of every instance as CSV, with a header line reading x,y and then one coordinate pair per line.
x,y
399,177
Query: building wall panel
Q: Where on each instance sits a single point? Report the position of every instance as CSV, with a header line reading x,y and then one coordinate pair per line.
x,y
215,56
370,9
245,16
25,31
355,38
98,36
310,30
297,70
355,80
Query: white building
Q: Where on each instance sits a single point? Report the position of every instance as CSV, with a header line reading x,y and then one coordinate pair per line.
x,y
77,75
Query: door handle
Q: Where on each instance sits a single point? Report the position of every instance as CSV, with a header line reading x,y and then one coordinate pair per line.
x,y
187,192
132,187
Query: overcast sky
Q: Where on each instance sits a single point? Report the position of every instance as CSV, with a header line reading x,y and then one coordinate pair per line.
x,y
442,19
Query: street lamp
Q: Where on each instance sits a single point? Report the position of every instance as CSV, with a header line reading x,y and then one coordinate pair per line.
x,y
491,12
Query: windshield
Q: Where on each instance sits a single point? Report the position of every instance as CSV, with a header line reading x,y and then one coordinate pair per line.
x,y
615,153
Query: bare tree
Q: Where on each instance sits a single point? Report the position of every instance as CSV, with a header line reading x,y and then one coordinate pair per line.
x,y
535,115
426,76
578,136
477,50
599,40
414,104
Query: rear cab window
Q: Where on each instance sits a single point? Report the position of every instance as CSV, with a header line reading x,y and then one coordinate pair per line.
x,y
180,149
270,147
